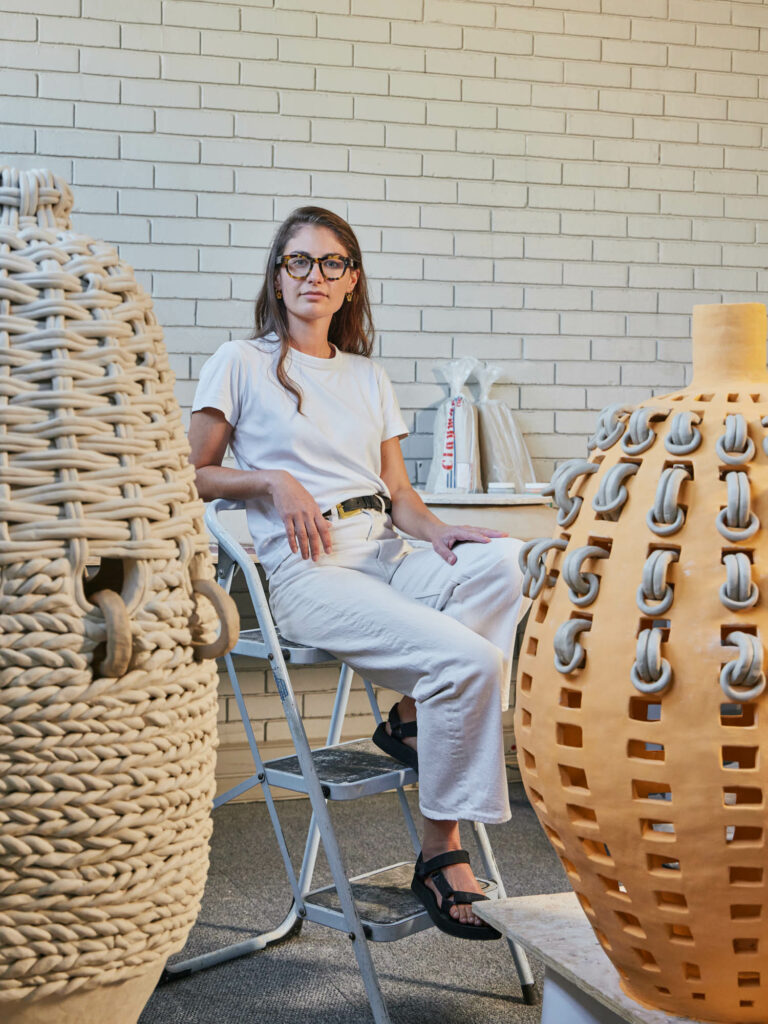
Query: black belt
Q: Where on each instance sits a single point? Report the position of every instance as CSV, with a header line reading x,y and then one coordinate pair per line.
x,y
352,505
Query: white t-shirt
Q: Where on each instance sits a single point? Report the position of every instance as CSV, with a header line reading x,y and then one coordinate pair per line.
x,y
333,447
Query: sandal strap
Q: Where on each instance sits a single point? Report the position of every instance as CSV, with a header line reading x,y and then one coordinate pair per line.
x,y
460,896
400,730
442,860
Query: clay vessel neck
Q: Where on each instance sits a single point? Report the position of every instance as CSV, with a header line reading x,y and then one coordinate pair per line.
x,y
729,345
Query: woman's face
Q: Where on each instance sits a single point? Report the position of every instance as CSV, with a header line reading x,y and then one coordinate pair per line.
x,y
314,297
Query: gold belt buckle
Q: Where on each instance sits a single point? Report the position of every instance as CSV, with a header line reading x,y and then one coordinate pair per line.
x,y
343,514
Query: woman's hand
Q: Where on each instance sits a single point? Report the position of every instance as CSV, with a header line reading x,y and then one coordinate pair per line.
x,y
444,537
305,527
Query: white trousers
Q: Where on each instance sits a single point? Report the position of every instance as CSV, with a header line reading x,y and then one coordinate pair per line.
x,y
443,634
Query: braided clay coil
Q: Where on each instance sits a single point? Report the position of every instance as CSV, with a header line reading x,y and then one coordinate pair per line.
x,y
644,750
107,611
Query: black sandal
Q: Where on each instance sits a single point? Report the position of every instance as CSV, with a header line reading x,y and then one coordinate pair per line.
x,y
392,744
440,914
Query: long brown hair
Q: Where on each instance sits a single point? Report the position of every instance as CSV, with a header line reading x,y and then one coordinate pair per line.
x,y
351,328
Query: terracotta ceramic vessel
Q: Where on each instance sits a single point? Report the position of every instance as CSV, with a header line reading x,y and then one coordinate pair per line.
x,y
641,714
108,611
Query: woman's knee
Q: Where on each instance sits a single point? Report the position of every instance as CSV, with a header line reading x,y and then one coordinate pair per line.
x,y
473,664
500,561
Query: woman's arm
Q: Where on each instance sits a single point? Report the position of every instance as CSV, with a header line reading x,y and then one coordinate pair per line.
x,y
411,515
305,528
209,435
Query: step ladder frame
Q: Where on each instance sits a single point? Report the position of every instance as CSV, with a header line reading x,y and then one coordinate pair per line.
x,y
265,643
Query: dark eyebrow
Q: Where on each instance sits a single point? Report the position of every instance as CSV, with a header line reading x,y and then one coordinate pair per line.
x,y
324,257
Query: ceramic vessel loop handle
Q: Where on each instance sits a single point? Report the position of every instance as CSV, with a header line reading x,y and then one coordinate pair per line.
x,y
119,637
531,562
735,446
609,427
640,434
226,609
743,678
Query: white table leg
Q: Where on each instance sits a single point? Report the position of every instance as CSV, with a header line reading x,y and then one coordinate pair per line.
x,y
564,1003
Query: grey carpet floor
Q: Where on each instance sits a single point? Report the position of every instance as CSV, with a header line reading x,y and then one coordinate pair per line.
x,y
429,978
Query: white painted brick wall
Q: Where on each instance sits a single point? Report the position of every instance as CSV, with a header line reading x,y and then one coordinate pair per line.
x,y
550,185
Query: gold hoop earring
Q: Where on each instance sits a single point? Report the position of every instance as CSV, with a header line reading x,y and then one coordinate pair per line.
x,y
349,296
279,294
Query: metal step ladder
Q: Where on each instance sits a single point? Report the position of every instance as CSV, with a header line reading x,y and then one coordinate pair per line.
x,y
378,906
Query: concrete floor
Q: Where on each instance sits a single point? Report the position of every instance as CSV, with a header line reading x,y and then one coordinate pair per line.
x,y
429,978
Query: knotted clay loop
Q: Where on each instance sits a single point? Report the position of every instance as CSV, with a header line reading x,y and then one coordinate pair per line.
x,y
666,516
739,590
683,437
531,562
743,678
640,434
736,522
118,625
583,586
650,673
227,613
569,654
561,482
735,446
612,494
654,586
106,793
609,427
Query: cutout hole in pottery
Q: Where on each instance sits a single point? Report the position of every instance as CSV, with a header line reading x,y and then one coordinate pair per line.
x,y
745,876
749,796
643,710
572,777
742,946
660,864
645,751
670,900
740,716
645,790
746,911
569,735
739,758
744,835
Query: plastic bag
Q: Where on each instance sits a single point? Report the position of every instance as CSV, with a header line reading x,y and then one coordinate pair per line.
x,y
456,453
503,452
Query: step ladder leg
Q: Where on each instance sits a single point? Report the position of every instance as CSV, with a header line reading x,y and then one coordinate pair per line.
x,y
292,922
311,847
261,776
354,925
491,868
404,805
289,926
346,899
360,943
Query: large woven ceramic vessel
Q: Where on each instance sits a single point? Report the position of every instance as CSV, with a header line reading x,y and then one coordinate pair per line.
x,y
107,708
641,715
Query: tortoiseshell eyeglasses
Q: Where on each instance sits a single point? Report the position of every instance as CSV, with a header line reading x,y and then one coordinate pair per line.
x,y
332,265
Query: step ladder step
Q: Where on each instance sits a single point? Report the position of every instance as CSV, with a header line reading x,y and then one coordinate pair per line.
x,y
346,771
251,644
385,903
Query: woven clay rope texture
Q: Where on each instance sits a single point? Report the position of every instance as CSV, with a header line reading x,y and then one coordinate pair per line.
x,y
642,706
107,712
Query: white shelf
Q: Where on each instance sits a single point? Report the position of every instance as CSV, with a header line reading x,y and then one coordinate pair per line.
x,y
501,498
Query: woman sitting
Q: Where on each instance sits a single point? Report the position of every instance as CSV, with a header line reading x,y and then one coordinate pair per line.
x,y
315,429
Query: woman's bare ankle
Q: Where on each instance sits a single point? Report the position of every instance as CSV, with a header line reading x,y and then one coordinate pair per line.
x,y
439,836
406,709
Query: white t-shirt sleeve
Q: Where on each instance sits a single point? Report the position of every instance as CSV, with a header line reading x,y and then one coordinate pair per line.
x,y
394,424
219,385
